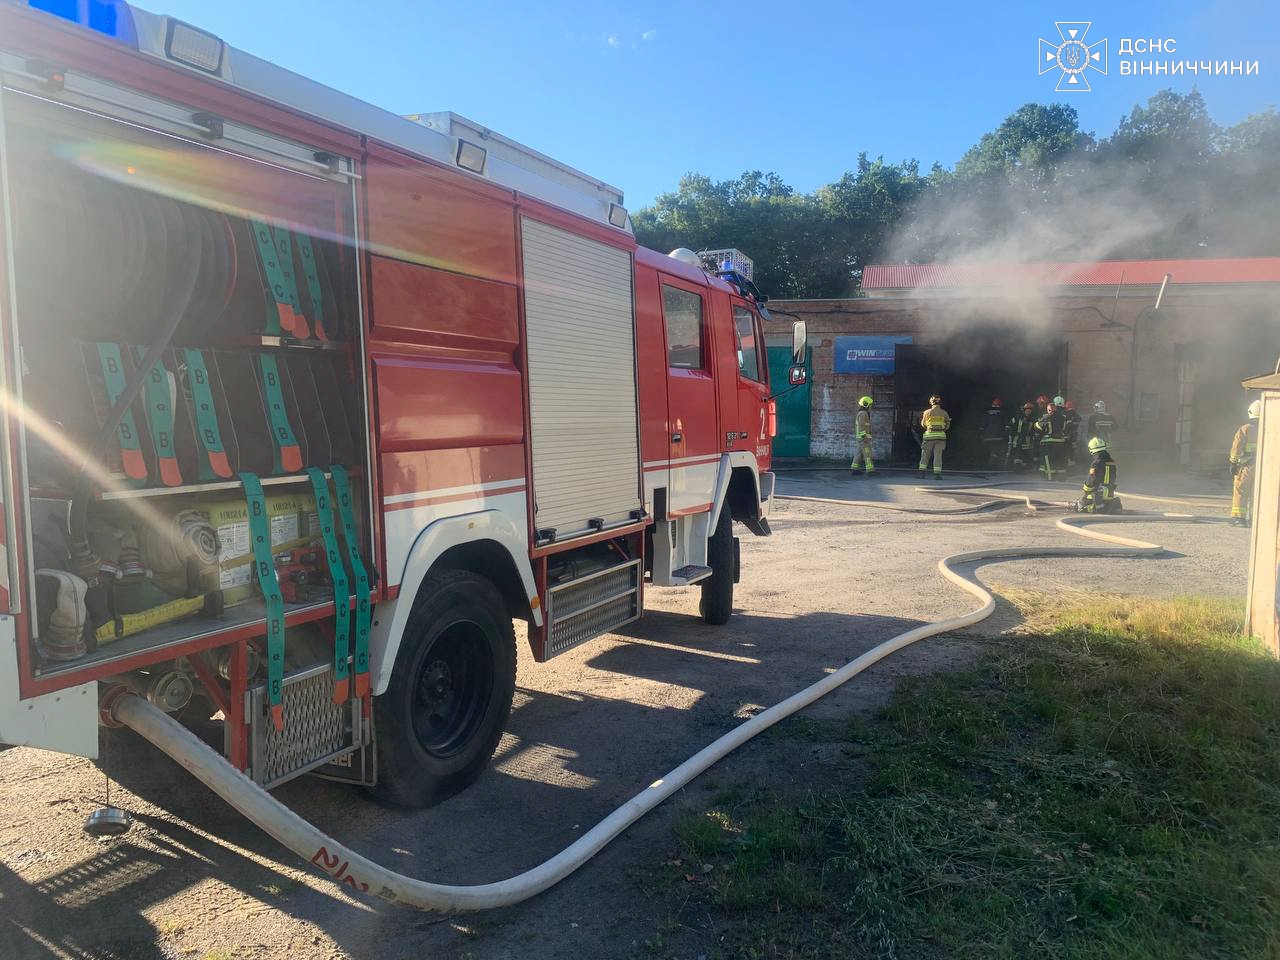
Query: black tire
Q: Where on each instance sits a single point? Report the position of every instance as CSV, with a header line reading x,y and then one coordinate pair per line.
x,y
717,589
442,716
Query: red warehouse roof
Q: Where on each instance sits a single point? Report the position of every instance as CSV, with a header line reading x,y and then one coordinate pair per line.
x,y
889,276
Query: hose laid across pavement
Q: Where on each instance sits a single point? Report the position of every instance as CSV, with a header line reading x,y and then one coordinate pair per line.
x,y
362,875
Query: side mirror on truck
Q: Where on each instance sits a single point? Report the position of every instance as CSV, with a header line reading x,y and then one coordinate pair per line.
x,y
799,342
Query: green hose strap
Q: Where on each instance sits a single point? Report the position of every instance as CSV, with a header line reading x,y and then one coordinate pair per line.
x,y
341,591
288,455
284,256
364,610
269,255
265,565
214,463
135,465
306,253
159,408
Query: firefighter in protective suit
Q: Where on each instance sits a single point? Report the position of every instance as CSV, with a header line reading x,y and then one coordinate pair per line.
x,y
994,433
1243,448
1051,429
1071,428
935,422
1098,495
1022,438
862,440
1101,424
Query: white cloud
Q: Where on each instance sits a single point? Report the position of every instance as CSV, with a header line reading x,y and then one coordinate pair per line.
x,y
612,40
649,35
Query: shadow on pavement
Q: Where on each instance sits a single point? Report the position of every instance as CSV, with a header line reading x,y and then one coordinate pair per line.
x,y
568,758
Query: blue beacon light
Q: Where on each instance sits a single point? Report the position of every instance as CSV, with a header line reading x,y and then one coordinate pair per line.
x,y
111,18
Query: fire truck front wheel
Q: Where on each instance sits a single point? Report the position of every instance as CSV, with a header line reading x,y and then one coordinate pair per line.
x,y
717,589
440,720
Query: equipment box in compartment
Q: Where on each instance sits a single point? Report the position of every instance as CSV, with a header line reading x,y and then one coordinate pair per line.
x,y
187,327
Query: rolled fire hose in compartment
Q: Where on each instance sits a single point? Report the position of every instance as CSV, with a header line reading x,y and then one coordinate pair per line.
x,y
362,875
185,315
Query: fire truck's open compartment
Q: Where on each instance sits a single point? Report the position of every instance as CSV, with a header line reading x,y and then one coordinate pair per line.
x,y
235,274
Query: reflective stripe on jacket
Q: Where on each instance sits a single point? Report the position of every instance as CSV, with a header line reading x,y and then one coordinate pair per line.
x,y
862,424
1245,444
935,422
1053,427
1021,432
1102,475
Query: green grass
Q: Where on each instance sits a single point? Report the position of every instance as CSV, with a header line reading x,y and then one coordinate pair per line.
x,y
1102,784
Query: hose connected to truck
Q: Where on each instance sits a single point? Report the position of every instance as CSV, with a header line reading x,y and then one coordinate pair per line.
x,y
362,875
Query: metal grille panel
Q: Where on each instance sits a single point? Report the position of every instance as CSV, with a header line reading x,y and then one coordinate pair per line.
x,y
583,609
316,730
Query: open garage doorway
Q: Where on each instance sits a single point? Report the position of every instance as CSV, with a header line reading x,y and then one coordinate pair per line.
x,y
968,369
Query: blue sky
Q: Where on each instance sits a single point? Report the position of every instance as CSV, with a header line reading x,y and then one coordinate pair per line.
x,y
639,94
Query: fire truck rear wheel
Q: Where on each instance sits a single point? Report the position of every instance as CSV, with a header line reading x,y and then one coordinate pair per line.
x,y
442,716
717,589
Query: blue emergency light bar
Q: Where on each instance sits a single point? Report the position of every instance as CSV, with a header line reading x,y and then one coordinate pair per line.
x,y
111,18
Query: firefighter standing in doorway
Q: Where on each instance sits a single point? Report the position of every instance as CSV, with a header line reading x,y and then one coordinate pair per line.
x,y
935,422
994,433
1022,437
1071,427
862,440
1042,406
1051,429
1243,448
1099,492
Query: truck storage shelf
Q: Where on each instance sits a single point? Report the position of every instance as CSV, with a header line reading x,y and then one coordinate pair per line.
x,y
242,620
295,343
213,487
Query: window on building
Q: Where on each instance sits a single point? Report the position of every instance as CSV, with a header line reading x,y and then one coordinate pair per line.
x,y
682,311
744,324
1148,406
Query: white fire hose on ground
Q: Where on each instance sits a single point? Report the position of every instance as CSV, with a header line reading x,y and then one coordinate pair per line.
x,y
362,875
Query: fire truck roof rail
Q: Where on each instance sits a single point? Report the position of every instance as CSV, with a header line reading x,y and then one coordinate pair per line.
x,y
445,137
509,159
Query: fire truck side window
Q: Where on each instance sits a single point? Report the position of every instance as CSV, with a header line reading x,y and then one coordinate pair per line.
x,y
748,356
683,313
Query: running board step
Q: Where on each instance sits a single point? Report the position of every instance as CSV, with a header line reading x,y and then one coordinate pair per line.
x,y
582,609
690,574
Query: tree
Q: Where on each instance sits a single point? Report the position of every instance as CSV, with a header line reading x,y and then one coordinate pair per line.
x,y
1027,144
788,235
1168,182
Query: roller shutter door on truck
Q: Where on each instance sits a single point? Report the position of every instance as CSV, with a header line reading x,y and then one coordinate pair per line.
x,y
582,381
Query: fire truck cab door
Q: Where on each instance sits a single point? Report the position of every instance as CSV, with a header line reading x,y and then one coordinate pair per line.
x,y
691,396
747,382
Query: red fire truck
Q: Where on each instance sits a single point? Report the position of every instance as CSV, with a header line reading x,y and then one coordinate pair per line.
x,y
306,403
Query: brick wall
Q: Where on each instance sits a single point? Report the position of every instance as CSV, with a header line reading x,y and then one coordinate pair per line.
x,y
1228,327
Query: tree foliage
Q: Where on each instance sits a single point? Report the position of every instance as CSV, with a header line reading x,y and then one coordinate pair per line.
x,y
1167,182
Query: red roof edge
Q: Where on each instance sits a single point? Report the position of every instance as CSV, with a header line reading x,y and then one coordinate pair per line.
x,y
890,276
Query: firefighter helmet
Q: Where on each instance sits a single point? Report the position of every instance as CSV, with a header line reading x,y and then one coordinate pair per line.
x,y
1255,410
866,402
1042,400
1058,401
997,403
1100,407
1096,444
934,400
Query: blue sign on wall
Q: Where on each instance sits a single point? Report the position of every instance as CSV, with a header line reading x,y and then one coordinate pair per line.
x,y
866,354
